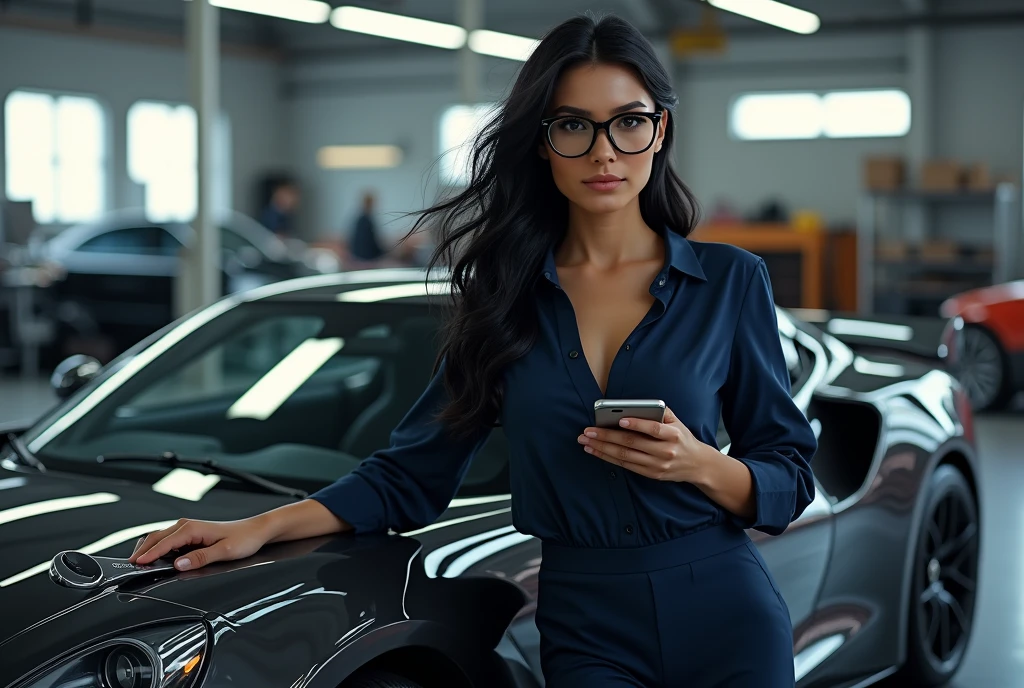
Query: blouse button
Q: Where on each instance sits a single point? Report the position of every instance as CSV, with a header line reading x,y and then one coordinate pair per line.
x,y
611,474
629,530
573,354
661,282
627,347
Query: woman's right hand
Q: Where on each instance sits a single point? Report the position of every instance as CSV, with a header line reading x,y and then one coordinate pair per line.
x,y
208,542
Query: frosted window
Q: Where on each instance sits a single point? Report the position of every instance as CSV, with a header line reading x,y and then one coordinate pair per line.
x,y
162,156
836,114
777,116
56,155
460,125
866,113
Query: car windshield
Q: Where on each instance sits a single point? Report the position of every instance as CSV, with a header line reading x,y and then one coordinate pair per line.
x,y
299,392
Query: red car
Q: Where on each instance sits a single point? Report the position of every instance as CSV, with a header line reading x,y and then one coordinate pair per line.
x,y
985,341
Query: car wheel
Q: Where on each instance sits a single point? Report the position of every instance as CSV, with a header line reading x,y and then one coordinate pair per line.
x,y
982,370
380,679
944,586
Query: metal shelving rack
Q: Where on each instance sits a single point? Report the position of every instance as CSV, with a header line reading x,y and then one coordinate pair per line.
x,y
1000,266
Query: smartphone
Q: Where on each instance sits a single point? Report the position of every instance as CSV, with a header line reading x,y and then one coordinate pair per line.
x,y
607,412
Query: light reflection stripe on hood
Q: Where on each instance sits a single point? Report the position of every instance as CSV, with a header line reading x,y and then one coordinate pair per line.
x,y
49,506
478,554
456,521
432,562
107,542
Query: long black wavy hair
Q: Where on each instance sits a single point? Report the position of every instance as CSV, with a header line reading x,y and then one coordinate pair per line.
x,y
494,234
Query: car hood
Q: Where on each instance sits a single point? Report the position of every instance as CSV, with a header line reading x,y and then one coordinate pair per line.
x,y
43,514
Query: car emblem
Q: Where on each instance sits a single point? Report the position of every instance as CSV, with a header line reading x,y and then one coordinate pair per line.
x,y
82,571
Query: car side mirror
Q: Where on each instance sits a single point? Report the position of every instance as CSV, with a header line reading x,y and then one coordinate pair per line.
x,y
249,257
73,373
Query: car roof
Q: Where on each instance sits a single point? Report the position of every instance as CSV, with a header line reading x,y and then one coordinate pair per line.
x,y
371,285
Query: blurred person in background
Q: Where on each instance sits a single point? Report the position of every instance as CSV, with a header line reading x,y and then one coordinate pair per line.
x,y
573,280
365,244
279,211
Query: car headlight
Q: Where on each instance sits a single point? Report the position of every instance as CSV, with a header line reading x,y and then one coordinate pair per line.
x,y
152,657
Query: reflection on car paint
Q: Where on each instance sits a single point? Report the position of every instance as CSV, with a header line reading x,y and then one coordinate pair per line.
x,y
115,538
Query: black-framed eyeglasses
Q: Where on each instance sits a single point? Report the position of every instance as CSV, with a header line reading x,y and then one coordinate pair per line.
x,y
572,136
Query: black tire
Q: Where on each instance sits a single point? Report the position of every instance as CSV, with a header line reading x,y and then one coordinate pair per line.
x,y
380,679
984,370
944,585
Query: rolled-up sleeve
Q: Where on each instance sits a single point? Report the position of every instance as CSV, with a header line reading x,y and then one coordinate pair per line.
x,y
770,434
410,483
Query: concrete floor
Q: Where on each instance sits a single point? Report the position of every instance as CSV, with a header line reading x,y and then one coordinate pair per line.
x,y
995,658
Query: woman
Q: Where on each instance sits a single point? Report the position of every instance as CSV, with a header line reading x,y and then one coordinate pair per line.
x,y
574,281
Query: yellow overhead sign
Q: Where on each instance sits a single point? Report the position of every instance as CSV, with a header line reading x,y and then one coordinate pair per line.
x,y
708,37
689,42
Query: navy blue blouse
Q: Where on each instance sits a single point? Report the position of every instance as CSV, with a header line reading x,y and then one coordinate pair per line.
x,y
709,347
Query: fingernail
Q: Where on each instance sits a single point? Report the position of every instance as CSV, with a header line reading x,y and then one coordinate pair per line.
x,y
582,440
589,450
624,423
591,434
183,564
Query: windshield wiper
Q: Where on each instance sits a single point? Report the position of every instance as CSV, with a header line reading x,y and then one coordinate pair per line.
x,y
23,454
172,459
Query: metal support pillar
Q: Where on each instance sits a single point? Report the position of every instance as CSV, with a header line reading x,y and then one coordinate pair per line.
x,y
200,274
921,138
471,19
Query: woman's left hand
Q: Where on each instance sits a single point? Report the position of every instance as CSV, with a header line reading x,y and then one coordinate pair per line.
x,y
660,451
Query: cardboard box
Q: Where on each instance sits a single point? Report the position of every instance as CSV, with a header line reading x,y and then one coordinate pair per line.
x,y
978,177
884,173
941,175
939,250
890,250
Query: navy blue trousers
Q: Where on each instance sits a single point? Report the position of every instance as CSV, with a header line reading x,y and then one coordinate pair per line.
x,y
702,611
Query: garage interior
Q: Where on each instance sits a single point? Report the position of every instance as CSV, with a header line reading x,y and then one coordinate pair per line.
x,y
872,153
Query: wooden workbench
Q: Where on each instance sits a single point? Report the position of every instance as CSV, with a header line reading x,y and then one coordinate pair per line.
x,y
795,258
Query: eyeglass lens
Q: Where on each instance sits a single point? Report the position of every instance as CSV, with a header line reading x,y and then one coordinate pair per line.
x,y
572,136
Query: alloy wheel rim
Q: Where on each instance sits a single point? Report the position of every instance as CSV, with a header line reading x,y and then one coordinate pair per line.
x,y
981,368
947,573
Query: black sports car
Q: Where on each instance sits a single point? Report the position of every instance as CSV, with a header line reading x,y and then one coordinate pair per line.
x,y
287,386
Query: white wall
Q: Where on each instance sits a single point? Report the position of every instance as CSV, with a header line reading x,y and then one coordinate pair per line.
x,y
121,72
979,95
396,102
977,115
822,174
282,116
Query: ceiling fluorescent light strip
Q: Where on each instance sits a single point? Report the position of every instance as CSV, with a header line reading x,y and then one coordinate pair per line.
x,y
359,157
308,11
771,12
437,34
502,45
398,27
